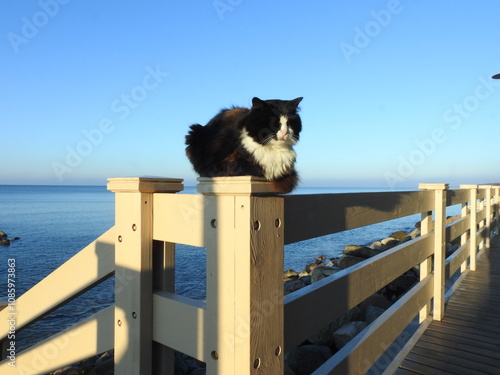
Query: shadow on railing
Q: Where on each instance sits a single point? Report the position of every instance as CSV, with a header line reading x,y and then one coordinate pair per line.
x,y
246,324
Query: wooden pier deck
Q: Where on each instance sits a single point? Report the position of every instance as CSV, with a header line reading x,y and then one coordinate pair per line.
x,y
467,340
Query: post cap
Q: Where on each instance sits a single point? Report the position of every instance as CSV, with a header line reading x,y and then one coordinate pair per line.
x,y
237,185
145,184
466,186
433,186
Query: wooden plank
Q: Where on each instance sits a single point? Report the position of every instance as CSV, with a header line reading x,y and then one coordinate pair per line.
x,y
454,261
179,323
179,218
134,208
266,285
473,313
457,196
464,334
439,335
308,216
486,335
133,299
469,361
457,228
474,295
481,193
413,364
436,366
463,345
219,316
401,371
83,340
473,226
92,265
488,202
481,215
163,280
350,287
146,184
466,307
244,309
461,322
439,250
426,265
360,353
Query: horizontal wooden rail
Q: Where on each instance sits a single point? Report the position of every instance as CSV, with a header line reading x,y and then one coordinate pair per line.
x,y
83,340
458,196
457,228
360,353
309,216
180,218
350,287
454,261
90,266
178,322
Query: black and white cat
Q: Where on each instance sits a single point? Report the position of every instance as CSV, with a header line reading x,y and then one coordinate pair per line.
x,y
257,142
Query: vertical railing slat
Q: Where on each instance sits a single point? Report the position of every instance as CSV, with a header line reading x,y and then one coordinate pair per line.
x,y
164,280
497,209
487,207
426,265
439,246
473,224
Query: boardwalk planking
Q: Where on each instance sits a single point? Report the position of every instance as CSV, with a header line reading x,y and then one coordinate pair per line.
x,y
467,340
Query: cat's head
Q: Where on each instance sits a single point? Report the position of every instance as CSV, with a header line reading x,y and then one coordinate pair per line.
x,y
274,121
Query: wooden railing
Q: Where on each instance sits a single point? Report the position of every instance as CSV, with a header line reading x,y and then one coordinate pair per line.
x,y
246,324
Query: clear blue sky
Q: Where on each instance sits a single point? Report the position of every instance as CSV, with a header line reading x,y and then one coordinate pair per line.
x,y
395,92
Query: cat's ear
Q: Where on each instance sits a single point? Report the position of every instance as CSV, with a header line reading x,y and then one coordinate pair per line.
x,y
295,102
256,102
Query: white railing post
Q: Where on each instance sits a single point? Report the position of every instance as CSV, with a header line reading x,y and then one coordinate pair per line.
x,y
465,236
133,272
244,308
487,206
497,208
426,265
473,224
439,246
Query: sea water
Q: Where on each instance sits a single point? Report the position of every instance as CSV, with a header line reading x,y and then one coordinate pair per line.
x,y
55,222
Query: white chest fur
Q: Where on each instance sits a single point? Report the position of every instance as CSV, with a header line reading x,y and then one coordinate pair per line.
x,y
276,157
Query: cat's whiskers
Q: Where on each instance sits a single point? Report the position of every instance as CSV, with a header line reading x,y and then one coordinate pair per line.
x,y
267,139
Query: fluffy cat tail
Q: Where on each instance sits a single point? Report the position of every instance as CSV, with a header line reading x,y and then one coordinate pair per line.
x,y
285,184
193,139
193,134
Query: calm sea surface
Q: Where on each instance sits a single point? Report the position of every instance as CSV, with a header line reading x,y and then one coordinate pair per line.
x,y
55,222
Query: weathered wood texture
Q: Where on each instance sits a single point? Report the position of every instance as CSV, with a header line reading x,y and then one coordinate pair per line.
x,y
92,265
84,339
467,340
350,287
309,216
134,201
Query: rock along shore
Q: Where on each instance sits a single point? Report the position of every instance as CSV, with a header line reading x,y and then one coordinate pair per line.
x,y
5,240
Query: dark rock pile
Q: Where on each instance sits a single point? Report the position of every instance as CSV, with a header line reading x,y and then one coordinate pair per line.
x,y
320,346
4,239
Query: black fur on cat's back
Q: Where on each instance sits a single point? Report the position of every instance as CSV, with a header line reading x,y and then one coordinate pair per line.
x,y
244,141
